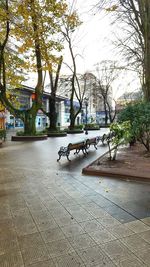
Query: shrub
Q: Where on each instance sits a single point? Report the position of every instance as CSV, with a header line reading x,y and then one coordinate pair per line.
x,y
2,134
21,133
92,126
80,126
120,135
57,130
139,116
77,127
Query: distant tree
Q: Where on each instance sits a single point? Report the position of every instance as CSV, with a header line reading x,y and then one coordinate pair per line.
x,y
72,21
77,91
134,16
107,73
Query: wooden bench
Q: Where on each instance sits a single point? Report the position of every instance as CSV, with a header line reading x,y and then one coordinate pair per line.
x,y
102,138
105,138
65,151
83,145
109,137
92,141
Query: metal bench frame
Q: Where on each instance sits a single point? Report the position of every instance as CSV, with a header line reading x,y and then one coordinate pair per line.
x,y
65,151
84,145
92,141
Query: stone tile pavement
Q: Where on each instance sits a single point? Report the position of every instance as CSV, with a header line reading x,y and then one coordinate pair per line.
x,y
52,216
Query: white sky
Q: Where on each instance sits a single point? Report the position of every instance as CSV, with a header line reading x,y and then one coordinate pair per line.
x,y
93,43
91,40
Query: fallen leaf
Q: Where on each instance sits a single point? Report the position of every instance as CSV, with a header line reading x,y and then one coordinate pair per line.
x,y
106,190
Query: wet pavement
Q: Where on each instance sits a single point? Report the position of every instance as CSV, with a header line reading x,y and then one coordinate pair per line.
x,y
52,215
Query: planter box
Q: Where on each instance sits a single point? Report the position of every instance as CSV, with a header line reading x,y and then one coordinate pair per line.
x,y
104,126
56,134
92,129
29,138
75,131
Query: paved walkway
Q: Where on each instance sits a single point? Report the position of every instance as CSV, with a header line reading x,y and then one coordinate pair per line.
x,y
51,215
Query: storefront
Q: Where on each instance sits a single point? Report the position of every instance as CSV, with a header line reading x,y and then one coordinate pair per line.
x,y
25,97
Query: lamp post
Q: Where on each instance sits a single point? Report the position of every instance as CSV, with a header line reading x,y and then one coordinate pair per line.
x,y
86,112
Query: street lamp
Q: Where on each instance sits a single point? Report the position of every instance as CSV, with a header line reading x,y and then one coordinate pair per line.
x,y
86,112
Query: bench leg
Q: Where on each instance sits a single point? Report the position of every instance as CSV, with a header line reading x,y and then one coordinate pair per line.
x,y
77,151
95,146
68,157
84,151
59,157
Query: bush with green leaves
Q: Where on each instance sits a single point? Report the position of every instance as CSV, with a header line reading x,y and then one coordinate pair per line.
x,y
139,116
2,134
57,130
92,126
77,127
21,133
120,135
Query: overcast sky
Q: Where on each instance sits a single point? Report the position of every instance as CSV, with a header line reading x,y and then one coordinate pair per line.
x,y
93,43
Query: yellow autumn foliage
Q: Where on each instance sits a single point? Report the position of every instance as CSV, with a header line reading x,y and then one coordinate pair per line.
x,y
33,22
112,8
1,106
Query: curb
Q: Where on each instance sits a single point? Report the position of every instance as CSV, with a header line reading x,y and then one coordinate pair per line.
x,y
28,138
88,170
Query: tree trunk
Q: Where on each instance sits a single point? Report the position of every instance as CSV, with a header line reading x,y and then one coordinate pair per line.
x,y
72,113
52,98
72,121
73,116
147,53
52,112
29,122
106,115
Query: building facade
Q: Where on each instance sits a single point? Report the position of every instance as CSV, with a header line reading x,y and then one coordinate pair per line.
x,y
86,89
24,98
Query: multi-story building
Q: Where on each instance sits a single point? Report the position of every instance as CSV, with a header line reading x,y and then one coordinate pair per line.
x,y
87,85
127,98
84,90
24,96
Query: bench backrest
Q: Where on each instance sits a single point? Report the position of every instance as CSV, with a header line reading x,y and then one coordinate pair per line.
x,y
76,145
91,141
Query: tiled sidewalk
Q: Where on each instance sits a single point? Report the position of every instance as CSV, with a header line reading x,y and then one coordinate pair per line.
x,y
53,216
52,219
